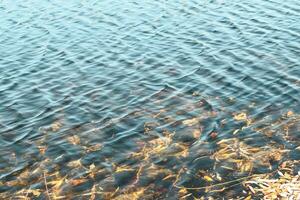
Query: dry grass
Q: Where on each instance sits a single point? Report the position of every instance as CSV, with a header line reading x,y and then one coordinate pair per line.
x,y
286,187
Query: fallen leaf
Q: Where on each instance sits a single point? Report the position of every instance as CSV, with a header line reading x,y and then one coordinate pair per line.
x,y
14,183
248,197
36,192
240,117
75,140
207,178
56,126
42,149
195,93
123,169
92,166
57,183
191,122
289,113
213,135
75,163
135,195
196,133
95,147
236,131
76,182
183,191
93,191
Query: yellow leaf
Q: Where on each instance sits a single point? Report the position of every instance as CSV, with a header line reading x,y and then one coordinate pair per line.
x,y
183,191
169,176
248,197
240,117
57,183
207,178
123,169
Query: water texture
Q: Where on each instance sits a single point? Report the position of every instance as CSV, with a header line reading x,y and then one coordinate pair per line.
x,y
138,92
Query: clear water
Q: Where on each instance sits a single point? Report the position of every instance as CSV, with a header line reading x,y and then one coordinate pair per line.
x,y
116,75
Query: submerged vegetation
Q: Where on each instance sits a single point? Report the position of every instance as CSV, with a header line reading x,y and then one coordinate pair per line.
x,y
192,165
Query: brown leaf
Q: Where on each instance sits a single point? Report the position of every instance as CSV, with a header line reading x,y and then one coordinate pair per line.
x,y
196,133
79,181
42,149
213,135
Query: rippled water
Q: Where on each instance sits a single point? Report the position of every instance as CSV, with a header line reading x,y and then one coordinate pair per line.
x,y
100,81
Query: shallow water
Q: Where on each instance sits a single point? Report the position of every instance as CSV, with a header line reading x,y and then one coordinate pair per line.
x,y
100,81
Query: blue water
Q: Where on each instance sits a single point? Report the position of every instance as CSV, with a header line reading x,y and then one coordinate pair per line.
x,y
119,74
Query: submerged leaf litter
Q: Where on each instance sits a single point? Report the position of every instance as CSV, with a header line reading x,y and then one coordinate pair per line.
x,y
163,165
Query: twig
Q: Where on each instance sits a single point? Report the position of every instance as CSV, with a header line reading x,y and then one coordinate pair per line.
x,y
27,193
215,185
45,181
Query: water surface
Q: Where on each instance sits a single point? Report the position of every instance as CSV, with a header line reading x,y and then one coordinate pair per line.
x,y
116,97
